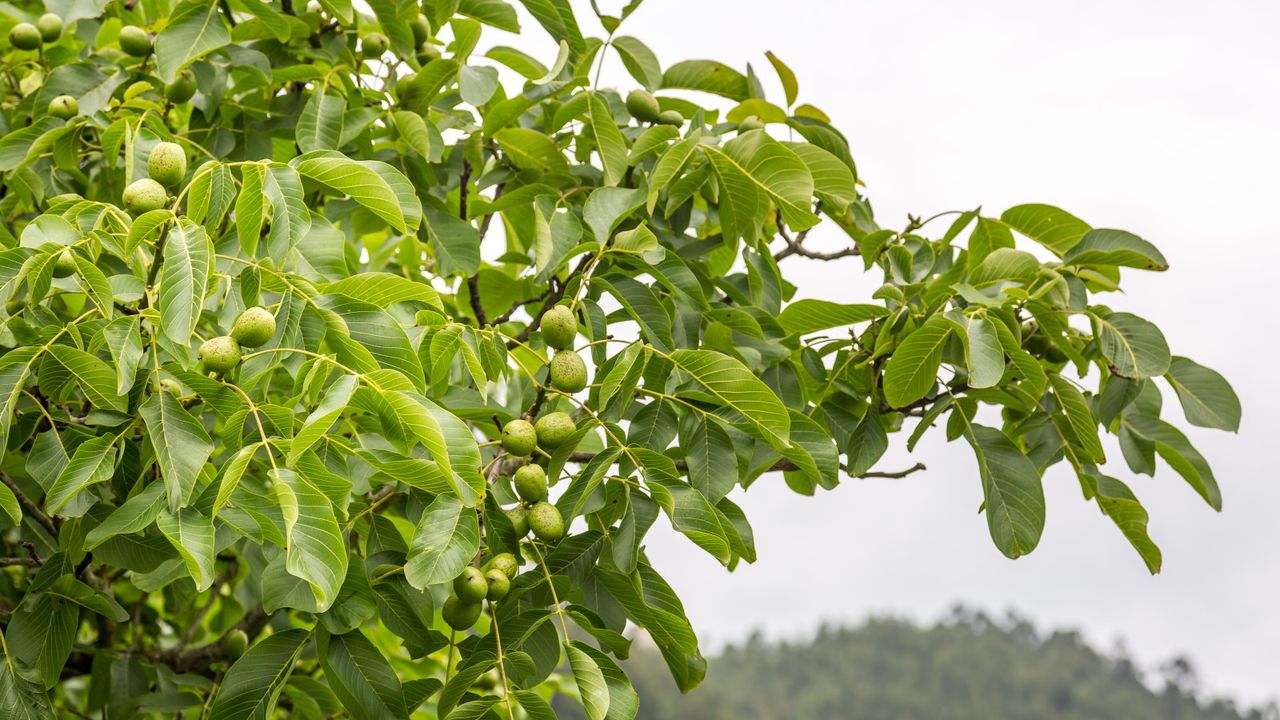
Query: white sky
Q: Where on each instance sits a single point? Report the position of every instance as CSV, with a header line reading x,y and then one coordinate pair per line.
x,y
1161,118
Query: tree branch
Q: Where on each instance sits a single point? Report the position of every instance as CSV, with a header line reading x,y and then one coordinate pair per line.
x,y
781,465
795,246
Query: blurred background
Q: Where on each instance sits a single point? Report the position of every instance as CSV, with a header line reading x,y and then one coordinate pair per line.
x,y
1159,117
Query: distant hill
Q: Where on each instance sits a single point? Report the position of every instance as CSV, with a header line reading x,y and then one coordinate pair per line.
x,y
968,667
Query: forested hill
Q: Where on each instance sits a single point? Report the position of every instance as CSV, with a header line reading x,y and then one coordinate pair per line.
x,y
968,667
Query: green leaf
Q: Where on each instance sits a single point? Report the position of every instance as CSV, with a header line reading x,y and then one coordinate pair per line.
x,y
195,29
456,243
444,543
124,340
92,375
1207,398
639,61
363,181
1005,264
1052,227
253,684
1115,247
319,127
913,368
360,676
15,369
384,290
41,634
1135,348
833,181
556,17
607,207
133,515
758,173
790,86
1118,502
733,386
805,316
531,150
713,466
1080,416
1014,497
982,352
191,534
708,76
181,445
94,462
446,437
20,698
317,424
316,551
606,692
477,84
607,138
183,280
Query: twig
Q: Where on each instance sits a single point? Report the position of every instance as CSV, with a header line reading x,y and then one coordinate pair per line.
x,y
781,465
29,562
795,246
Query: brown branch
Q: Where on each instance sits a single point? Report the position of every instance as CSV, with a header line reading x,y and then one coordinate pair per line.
x,y
781,465
29,506
795,246
29,562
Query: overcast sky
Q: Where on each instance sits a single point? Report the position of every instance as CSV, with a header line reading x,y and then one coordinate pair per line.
x,y
1162,118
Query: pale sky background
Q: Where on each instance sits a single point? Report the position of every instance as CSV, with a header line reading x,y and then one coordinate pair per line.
x,y
1159,117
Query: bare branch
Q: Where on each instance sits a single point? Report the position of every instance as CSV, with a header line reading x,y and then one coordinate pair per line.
x,y
781,465
795,246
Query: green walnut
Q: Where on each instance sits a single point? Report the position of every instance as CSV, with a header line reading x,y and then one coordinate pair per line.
x,y
643,106
749,123
65,265
670,117
234,644
568,371
458,614
506,562
374,44
220,354
404,84
546,522
171,386
470,586
167,164
531,483
13,307
554,429
144,195
64,107
50,27
489,680
559,327
519,518
254,327
421,29
519,438
427,53
25,36
499,585
181,89
134,41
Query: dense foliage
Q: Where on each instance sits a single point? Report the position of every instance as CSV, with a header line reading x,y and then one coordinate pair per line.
x,y
968,667
306,309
